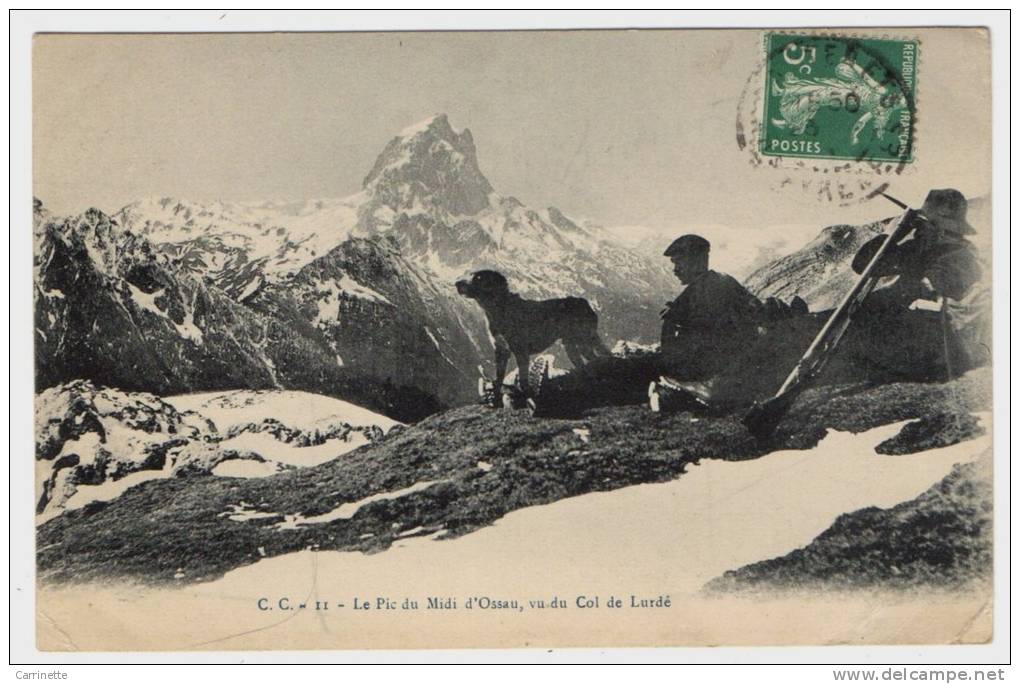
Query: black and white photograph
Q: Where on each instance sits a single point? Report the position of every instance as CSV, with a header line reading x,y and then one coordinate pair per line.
x,y
513,339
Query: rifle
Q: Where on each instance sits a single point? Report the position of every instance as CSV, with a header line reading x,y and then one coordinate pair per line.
x,y
763,418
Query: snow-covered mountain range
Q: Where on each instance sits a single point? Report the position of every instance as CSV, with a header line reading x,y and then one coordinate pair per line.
x,y
350,297
425,191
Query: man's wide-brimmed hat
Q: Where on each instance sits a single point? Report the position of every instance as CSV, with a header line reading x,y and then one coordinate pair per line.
x,y
947,209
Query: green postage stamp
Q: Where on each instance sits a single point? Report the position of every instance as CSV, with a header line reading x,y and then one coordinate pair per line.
x,y
831,97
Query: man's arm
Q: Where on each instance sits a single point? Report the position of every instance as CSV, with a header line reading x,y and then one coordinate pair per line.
x,y
954,271
717,318
892,262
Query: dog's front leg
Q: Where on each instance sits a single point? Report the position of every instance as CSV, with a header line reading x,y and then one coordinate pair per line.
x,y
502,358
522,372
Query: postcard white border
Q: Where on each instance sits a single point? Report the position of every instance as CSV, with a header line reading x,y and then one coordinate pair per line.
x,y
22,560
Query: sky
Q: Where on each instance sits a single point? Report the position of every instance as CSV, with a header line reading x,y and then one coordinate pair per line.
x,y
624,128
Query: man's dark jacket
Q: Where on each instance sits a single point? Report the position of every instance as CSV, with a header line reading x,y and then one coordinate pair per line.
x,y
707,326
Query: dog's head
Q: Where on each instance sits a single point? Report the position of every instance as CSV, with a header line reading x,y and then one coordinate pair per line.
x,y
484,286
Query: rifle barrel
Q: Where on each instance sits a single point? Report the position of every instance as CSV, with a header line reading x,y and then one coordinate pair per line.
x,y
831,332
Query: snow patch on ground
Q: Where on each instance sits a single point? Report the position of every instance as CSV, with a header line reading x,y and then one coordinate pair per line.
x,y
346,511
249,289
243,512
432,337
107,491
245,468
550,359
356,289
301,410
330,293
187,329
270,448
147,301
258,454
97,442
419,127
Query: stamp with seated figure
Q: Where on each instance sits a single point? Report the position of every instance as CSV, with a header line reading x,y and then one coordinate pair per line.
x,y
831,97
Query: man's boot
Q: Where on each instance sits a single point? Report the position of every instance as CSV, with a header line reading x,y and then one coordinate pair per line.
x,y
667,395
487,394
538,379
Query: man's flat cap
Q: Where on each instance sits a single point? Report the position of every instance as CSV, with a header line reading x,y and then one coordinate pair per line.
x,y
687,244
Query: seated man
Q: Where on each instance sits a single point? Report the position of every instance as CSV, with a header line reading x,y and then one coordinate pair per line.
x,y
712,319
905,328
702,329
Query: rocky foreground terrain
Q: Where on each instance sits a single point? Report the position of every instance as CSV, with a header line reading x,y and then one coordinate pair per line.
x,y
940,540
93,442
448,475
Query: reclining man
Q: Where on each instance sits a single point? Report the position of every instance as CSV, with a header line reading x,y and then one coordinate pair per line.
x,y
909,327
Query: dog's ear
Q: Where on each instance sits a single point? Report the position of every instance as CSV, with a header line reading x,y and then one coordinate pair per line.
x,y
490,281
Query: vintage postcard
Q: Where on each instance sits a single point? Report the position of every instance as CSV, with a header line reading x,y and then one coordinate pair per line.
x,y
549,339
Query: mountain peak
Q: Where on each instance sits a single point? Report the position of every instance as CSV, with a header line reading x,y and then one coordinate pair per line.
x,y
437,122
430,164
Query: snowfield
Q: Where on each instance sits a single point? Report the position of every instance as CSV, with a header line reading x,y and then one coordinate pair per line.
x,y
678,534
647,540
